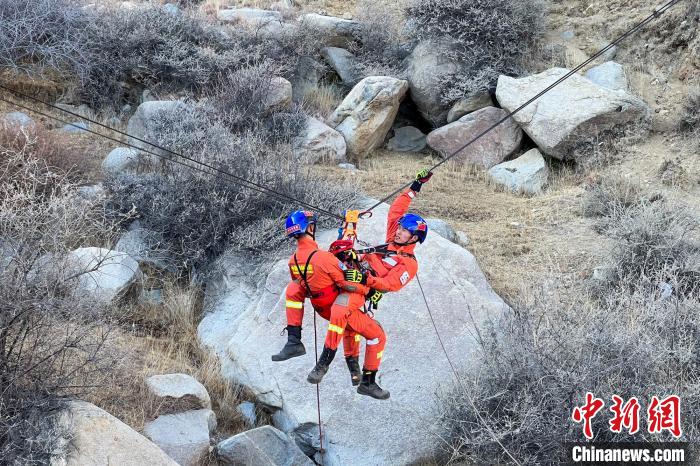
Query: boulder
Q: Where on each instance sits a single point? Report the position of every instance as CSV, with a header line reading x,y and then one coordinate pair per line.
x,y
526,174
180,388
306,77
463,239
407,139
279,94
171,9
264,446
333,32
468,105
347,166
367,112
250,17
184,436
243,315
98,438
610,75
571,114
487,151
144,122
120,160
343,62
427,69
77,127
144,246
18,119
247,412
442,228
320,143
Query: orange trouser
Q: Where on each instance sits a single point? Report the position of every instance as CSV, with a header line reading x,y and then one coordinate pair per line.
x,y
295,296
347,312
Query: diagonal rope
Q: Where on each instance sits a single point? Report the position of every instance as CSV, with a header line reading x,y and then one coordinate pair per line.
x,y
654,15
459,379
230,176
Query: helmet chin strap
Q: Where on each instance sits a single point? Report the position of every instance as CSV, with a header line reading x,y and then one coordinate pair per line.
x,y
407,243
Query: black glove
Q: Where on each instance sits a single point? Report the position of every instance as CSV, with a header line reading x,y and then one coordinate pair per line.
x,y
374,296
355,276
422,176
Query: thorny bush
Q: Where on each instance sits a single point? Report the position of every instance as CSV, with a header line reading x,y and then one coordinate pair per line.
x,y
51,337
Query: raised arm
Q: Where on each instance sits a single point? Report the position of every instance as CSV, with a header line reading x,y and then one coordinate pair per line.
x,y
402,203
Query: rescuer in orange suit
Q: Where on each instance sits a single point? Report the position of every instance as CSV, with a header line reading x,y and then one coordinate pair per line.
x,y
316,274
388,270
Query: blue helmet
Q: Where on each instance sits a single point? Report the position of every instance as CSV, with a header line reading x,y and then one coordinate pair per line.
x,y
298,222
416,225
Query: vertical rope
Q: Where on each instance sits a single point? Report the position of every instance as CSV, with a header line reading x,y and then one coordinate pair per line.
x,y
318,395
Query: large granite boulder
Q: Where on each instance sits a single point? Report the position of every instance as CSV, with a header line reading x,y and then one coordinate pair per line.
x,y
98,439
428,69
184,436
343,62
249,17
144,123
570,114
407,139
526,174
610,75
334,32
468,105
180,388
264,446
319,143
366,114
279,94
120,160
490,149
243,315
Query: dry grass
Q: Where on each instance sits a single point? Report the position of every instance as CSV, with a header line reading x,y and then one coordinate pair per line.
x,y
322,100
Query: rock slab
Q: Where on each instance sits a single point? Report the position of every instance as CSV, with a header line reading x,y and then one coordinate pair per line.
x,y
367,113
241,326
487,151
177,387
526,174
407,139
184,436
320,143
610,75
568,115
264,446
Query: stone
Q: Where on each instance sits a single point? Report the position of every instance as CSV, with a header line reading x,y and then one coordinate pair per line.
x,y
120,160
264,446
152,297
367,112
320,143
243,315
343,62
334,32
572,113
427,69
527,174
347,166
250,17
463,239
468,105
492,148
171,9
247,412
144,123
567,35
442,228
178,387
407,139
279,95
306,77
77,127
610,53
18,119
610,75
145,247
98,439
184,436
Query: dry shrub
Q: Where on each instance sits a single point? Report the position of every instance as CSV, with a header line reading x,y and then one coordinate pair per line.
x,y
322,100
610,195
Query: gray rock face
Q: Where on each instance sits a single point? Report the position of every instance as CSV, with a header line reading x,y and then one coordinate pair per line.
x,y
320,143
442,228
144,121
185,436
242,322
336,32
177,387
100,438
250,17
264,446
610,75
487,151
427,69
463,239
572,113
248,414
77,127
120,160
468,105
407,139
279,95
367,112
143,246
18,119
307,75
526,174
343,62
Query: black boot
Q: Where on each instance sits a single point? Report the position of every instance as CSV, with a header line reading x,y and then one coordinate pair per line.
x,y
322,365
294,346
355,372
369,387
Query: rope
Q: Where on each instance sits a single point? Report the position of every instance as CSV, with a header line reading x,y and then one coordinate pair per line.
x,y
247,183
318,395
459,379
656,14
